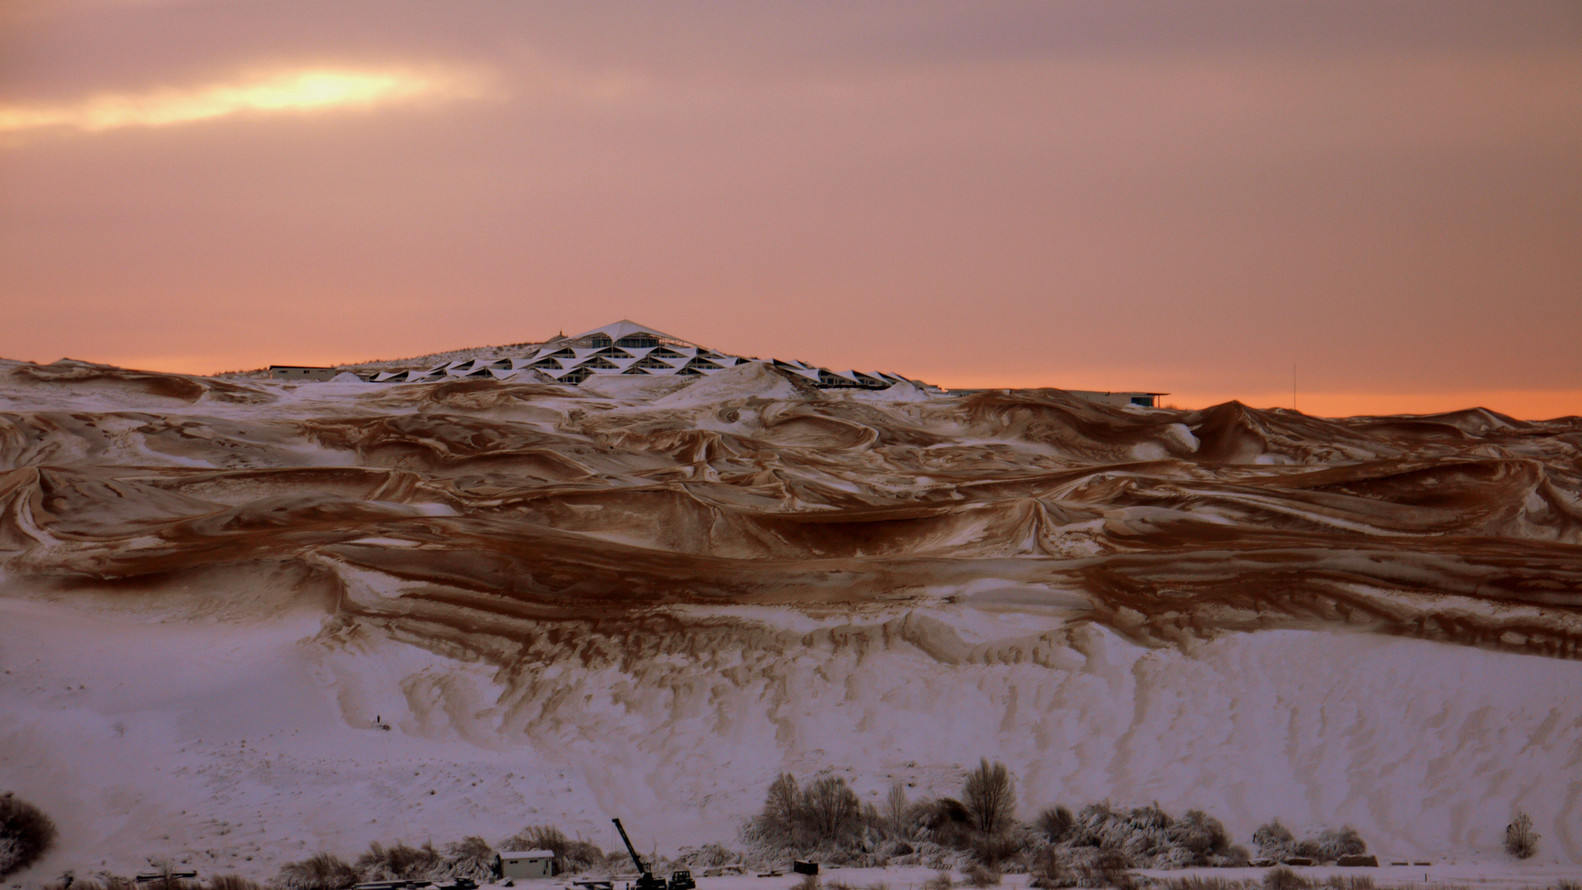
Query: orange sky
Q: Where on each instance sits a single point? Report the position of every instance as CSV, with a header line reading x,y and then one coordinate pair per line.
x,y
1191,198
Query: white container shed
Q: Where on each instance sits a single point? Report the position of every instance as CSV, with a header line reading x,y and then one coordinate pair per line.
x,y
527,864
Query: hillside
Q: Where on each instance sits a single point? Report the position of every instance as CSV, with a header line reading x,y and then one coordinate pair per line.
x,y
570,604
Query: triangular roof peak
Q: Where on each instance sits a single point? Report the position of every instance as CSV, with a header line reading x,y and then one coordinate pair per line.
x,y
625,328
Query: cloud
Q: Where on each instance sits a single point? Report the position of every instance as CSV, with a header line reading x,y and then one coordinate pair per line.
x,y
295,91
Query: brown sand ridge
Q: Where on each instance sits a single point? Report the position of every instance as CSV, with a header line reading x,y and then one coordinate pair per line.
x,y
457,504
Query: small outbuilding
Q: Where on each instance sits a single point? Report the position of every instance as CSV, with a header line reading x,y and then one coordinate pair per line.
x,y
527,864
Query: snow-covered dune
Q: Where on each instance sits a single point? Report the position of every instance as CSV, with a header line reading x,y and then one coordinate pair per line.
x,y
569,605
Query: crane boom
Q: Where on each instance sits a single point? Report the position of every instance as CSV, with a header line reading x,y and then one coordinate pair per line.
x,y
636,860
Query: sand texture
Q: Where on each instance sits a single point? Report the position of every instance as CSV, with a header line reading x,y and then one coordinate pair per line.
x,y
570,605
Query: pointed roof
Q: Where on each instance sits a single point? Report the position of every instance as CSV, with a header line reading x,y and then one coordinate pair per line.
x,y
627,327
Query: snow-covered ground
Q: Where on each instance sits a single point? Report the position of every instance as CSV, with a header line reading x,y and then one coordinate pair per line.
x,y
1436,876
211,740
569,606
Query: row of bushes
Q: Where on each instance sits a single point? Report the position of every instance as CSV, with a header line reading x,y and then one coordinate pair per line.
x,y
823,818
471,857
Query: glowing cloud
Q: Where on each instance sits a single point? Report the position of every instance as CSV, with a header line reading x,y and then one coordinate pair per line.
x,y
298,91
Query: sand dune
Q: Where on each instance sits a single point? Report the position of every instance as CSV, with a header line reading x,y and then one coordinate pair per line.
x,y
646,602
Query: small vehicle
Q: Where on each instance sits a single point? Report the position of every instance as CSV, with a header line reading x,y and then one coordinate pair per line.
x,y
682,880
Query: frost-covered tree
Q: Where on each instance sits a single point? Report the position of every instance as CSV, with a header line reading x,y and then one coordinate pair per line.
x,y
831,808
895,807
990,797
777,821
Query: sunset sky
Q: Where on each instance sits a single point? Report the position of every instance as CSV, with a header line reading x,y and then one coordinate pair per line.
x,y
1192,198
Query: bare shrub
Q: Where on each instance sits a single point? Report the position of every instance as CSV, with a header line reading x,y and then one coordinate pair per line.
x,y
944,821
1520,839
320,872
1200,834
1282,878
990,797
1106,869
470,857
26,834
992,849
709,856
809,882
1055,823
1097,826
220,882
940,881
1051,870
399,863
1149,818
978,875
1274,841
1330,845
1144,837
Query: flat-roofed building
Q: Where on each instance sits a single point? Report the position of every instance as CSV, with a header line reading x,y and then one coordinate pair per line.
x,y
1120,399
301,372
527,864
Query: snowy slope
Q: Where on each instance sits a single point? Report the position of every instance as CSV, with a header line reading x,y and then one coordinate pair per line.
x,y
569,606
